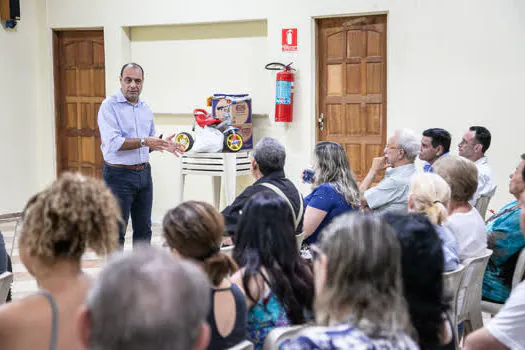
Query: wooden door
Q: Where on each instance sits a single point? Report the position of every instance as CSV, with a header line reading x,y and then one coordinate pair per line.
x,y
79,90
352,86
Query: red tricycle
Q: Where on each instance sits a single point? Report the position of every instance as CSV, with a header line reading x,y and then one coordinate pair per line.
x,y
232,139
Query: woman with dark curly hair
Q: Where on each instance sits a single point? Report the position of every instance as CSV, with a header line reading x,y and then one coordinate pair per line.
x,y
422,271
58,225
277,282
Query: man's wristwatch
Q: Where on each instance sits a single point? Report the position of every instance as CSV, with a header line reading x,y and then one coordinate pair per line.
x,y
142,142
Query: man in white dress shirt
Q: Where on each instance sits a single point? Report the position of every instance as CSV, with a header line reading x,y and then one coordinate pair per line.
x,y
473,146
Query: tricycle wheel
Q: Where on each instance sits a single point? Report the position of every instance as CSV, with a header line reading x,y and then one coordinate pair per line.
x,y
185,139
233,142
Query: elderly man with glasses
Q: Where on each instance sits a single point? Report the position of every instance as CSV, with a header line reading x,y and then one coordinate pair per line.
x,y
391,193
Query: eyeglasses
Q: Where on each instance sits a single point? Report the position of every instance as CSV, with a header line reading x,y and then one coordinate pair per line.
x,y
316,252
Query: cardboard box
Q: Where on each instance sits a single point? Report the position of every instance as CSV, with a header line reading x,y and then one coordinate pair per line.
x,y
239,109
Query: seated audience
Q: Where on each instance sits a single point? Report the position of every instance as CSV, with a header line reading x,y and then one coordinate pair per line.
x,y
58,225
422,264
194,230
506,241
335,189
359,300
430,195
391,193
473,146
434,145
146,299
267,166
464,220
278,284
505,330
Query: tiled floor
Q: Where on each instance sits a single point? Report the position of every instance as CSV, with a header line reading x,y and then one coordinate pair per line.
x,y
24,284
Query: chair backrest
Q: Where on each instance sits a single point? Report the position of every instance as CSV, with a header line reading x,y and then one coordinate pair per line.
x,y
469,294
519,270
452,283
299,238
228,250
5,283
244,345
482,205
280,334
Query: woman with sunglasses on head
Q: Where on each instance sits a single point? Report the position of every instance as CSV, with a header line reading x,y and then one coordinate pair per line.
x,y
335,189
359,300
277,283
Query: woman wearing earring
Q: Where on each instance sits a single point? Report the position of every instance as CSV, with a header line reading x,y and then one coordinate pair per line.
x,y
335,189
194,230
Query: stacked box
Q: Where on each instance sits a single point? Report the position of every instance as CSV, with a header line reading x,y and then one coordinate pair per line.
x,y
239,109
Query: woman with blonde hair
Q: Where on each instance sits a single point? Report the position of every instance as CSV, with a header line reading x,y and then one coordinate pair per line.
x,y
464,220
194,230
58,225
359,301
335,189
430,195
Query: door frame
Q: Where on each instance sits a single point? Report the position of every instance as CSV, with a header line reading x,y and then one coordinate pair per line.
x,y
317,66
57,84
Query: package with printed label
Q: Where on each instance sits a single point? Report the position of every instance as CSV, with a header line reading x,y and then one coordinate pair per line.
x,y
238,108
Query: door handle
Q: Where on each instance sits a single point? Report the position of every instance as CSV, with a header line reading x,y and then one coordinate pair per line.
x,y
320,121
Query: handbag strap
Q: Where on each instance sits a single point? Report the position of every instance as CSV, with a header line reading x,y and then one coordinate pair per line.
x,y
296,218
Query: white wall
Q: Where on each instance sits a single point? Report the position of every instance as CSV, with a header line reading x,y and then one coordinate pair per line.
x,y
25,108
450,63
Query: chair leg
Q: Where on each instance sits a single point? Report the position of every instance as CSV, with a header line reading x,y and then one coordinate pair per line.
x,y
476,320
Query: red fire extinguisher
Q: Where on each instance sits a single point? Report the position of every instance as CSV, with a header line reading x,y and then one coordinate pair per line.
x,y
284,92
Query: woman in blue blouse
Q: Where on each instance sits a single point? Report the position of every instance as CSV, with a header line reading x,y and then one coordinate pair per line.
x,y
335,189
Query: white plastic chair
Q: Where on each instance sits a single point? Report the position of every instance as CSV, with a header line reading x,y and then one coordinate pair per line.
x,y
280,334
244,345
10,218
482,204
468,306
451,285
493,308
228,250
6,279
300,239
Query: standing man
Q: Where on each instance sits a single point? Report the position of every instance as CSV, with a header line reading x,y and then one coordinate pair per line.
x,y
434,145
391,193
127,131
473,146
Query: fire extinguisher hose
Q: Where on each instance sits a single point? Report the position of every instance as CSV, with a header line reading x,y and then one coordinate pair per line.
x,y
279,66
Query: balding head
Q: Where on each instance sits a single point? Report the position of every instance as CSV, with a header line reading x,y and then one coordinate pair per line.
x,y
147,299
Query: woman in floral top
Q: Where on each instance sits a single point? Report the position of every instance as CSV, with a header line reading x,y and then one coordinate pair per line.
x,y
278,284
359,300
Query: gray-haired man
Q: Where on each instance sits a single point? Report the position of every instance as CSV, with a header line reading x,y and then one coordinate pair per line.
x,y
267,167
146,300
391,193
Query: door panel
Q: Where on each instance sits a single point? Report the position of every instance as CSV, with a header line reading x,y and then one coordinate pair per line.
x,y
79,89
352,86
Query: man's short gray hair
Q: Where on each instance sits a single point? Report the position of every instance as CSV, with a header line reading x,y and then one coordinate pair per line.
x,y
147,299
270,155
410,142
